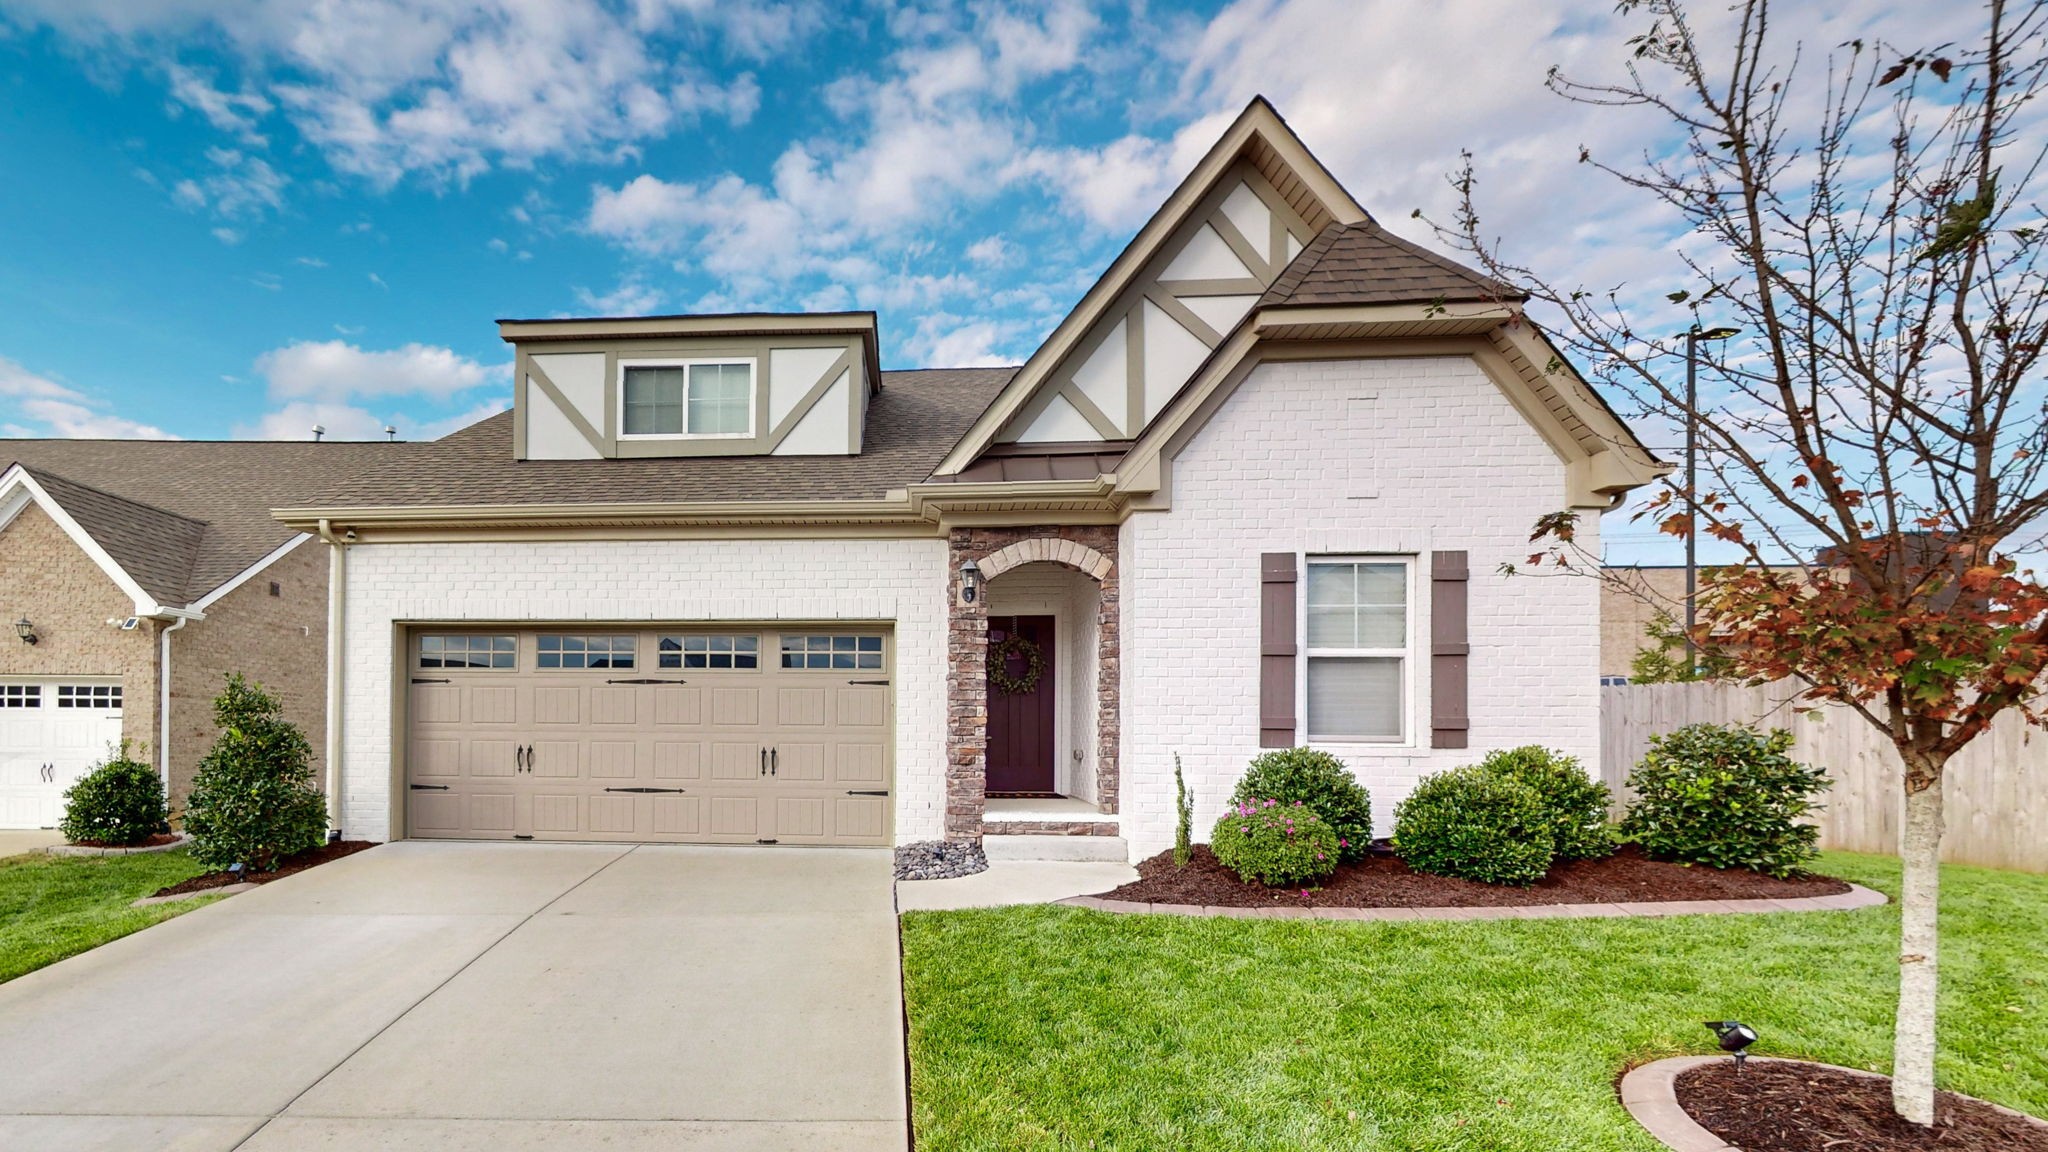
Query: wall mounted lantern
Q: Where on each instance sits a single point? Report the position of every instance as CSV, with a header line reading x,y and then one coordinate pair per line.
x,y
970,579
25,630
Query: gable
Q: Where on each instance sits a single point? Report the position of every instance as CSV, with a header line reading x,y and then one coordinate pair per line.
x,y
1196,287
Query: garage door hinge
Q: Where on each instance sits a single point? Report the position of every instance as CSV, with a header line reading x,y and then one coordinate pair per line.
x,y
879,683
646,680
883,792
428,787
766,841
426,680
677,791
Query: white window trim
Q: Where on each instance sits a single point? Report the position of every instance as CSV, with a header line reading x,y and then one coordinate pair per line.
x,y
1407,654
753,394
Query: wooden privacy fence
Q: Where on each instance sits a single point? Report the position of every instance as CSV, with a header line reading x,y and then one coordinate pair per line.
x,y
1996,792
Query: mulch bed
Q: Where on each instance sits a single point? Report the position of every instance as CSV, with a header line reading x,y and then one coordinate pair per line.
x,y
310,858
1794,1107
156,840
1385,881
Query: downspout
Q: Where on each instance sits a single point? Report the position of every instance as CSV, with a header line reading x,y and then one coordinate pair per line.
x,y
337,591
163,707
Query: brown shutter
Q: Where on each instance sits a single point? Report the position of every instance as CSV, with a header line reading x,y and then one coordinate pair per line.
x,y
1449,650
1276,650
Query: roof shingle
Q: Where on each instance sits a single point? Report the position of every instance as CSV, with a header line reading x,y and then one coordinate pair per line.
x,y
1364,263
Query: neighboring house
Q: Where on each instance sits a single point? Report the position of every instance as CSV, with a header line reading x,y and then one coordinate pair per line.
x,y
120,559
1631,596
720,579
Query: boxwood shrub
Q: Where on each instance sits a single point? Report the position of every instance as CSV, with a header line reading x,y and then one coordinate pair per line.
x,y
253,800
1577,803
1268,842
1475,824
1322,784
1725,796
120,802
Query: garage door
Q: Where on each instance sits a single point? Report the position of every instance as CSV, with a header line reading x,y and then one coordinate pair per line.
x,y
731,735
51,731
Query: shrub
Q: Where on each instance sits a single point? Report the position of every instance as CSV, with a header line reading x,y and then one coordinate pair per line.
x,y
1268,842
1475,824
1725,796
1184,818
119,802
1577,802
1322,784
253,801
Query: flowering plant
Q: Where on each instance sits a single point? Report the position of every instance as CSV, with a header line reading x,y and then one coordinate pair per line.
x,y
1274,843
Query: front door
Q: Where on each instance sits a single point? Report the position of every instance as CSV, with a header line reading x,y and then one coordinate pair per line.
x,y
1021,707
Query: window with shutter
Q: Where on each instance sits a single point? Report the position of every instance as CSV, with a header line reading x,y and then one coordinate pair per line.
x,y
1449,650
1276,650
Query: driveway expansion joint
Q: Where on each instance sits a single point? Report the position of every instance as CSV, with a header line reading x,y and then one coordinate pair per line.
x,y
1856,897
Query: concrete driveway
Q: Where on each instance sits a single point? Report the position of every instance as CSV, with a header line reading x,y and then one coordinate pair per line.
x,y
482,997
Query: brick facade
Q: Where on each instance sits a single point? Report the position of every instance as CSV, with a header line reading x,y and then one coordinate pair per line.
x,y
967,655
48,579
1343,457
277,641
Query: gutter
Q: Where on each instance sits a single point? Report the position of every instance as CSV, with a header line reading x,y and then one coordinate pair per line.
x,y
163,706
337,590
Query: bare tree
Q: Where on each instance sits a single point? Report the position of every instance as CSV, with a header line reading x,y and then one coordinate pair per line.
x,y
1874,232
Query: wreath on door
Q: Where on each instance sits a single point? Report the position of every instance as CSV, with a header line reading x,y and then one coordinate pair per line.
x,y
999,654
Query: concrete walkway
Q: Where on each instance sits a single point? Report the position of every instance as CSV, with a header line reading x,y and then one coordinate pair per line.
x,y
1006,882
482,997
21,841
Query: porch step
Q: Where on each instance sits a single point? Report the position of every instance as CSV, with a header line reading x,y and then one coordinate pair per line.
x,y
1084,848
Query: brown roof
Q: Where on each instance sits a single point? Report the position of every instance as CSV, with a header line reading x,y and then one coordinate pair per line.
x,y
911,423
184,517
1364,263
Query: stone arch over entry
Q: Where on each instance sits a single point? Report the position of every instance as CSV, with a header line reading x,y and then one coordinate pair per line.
x,y
1089,549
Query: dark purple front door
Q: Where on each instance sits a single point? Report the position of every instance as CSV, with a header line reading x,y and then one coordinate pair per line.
x,y
1020,724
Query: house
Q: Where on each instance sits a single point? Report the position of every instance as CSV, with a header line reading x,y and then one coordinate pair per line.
x,y
722,579
134,575
1631,598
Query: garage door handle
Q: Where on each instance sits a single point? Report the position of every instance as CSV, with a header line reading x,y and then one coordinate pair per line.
x,y
429,787
876,792
774,755
647,680
764,761
878,683
425,680
677,791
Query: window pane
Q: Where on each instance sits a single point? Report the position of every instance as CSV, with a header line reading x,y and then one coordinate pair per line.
x,y
654,402
720,395
1381,627
1382,584
1332,584
1356,698
1332,627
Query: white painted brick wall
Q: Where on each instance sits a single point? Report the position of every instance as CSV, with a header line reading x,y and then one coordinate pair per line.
x,y
901,581
1454,466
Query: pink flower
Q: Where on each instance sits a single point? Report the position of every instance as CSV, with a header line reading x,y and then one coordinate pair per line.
x,y
1246,829
1341,843
1319,855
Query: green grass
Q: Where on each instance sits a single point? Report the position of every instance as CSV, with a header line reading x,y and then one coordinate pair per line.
x,y
54,906
1051,1027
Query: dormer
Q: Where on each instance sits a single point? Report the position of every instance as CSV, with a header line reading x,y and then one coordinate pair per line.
x,y
755,384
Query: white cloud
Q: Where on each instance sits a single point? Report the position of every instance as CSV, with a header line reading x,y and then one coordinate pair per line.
x,y
632,298
337,369
241,187
47,408
237,113
991,251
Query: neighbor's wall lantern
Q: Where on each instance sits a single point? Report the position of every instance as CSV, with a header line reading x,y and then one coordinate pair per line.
x,y
25,630
970,580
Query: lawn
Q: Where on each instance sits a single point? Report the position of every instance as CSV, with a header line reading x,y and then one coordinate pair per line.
x,y
54,906
1052,1027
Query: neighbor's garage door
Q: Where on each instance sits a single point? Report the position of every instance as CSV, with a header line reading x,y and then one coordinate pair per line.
x,y
733,735
51,732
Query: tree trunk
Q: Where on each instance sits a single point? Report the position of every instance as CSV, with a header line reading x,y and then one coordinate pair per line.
x,y
1919,901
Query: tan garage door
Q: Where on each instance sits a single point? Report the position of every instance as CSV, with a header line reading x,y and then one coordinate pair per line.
x,y
696,735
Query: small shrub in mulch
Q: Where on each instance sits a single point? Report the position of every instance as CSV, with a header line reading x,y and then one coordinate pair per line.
x,y
1321,783
288,866
1274,843
1785,1106
119,804
1385,881
1476,824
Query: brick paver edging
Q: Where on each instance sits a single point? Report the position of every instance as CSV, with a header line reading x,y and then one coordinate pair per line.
x,y
1650,1095
1856,897
83,850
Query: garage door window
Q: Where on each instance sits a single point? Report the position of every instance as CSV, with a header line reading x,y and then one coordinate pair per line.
x,y
467,651
564,651
105,697
710,652
21,696
842,652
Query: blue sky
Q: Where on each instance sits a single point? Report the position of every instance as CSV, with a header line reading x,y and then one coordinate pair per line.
x,y
243,217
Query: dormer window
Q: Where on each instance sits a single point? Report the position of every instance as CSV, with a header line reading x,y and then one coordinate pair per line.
x,y
679,399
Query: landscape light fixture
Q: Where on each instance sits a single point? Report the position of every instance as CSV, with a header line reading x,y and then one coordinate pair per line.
x,y
1693,336
970,577
1735,1037
26,631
